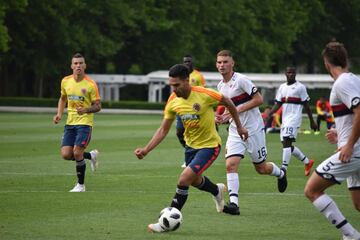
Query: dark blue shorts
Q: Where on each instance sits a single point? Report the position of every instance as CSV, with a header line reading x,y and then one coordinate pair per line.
x,y
200,159
78,135
179,123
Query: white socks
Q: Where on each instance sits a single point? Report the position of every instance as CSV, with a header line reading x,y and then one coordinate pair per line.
x,y
276,171
233,187
299,155
286,157
328,208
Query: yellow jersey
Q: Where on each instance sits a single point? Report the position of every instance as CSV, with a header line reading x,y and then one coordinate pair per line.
x,y
196,78
197,115
79,94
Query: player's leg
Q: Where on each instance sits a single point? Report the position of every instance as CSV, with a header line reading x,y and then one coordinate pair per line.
x,y
202,160
318,121
328,173
83,137
235,150
258,152
67,149
67,143
286,155
353,183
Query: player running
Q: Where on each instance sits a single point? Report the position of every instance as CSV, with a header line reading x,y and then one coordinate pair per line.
x,y
247,100
293,97
345,164
195,106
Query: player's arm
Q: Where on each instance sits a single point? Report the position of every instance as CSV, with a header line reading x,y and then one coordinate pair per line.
x,y
95,107
347,150
243,133
273,110
313,125
158,136
256,100
60,109
331,136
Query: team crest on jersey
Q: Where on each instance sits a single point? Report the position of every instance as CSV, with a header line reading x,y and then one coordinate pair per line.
x,y
83,91
196,107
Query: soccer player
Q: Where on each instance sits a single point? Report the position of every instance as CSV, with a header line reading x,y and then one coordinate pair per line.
x,y
345,163
324,113
293,97
247,100
195,79
83,100
195,106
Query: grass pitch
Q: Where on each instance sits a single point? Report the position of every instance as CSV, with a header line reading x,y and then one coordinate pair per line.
x,y
127,194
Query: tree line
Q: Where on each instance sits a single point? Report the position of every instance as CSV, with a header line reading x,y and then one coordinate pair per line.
x,y
38,38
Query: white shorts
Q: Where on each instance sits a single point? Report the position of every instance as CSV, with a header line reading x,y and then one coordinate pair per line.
x,y
289,132
255,145
336,171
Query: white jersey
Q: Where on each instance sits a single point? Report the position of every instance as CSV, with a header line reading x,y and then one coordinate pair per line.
x,y
344,96
240,89
292,98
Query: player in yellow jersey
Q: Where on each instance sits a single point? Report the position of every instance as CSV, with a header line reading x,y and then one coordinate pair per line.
x,y
195,106
195,79
81,94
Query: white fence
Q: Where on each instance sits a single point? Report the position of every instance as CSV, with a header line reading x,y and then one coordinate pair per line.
x,y
110,85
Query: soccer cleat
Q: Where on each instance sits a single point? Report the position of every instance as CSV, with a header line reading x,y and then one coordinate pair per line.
x,y
316,132
183,165
155,228
282,182
219,199
78,188
231,209
308,167
93,162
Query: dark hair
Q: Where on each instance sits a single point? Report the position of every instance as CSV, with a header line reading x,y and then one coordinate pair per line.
x,y
179,70
77,55
225,53
336,54
188,56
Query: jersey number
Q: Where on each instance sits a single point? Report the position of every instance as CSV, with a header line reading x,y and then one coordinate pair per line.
x,y
262,153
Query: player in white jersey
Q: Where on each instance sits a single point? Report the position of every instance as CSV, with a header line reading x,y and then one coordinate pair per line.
x,y
246,98
292,96
345,164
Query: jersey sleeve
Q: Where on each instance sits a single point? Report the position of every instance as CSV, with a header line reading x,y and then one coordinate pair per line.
x,y
247,85
214,96
62,88
303,94
279,94
349,94
169,113
94,94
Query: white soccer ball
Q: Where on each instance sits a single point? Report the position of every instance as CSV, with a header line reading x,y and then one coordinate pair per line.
x,y
170,219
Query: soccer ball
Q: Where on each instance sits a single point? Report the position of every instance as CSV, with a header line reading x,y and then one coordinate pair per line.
x,y
170,219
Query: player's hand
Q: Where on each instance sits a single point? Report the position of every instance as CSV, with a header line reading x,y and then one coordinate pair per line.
x,y
243,133
56,119
81,110
331,136
218,118
140,153
225,118
345,153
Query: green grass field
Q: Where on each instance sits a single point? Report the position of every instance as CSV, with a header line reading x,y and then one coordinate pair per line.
x,y
127,194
